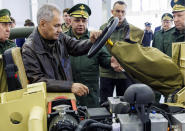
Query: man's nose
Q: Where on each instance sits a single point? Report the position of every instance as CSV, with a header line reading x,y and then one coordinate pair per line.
x,y
80,22
59,29
175,19
120,13
8,28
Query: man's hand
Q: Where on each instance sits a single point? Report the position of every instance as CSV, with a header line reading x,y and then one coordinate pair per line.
x,y
79,89
115,65
94,35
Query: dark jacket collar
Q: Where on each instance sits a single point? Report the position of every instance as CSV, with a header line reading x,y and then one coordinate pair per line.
x,y
38,40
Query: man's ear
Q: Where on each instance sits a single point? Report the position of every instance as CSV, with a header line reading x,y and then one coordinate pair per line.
x,y
42,23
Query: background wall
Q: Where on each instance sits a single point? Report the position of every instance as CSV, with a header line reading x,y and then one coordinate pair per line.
x,y
20,10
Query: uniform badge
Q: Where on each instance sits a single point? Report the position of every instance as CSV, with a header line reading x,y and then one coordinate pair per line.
x,y
82,7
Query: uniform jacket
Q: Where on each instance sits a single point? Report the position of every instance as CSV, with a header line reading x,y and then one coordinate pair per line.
x,y
86,71
64,28
158,28
40,64
163,39
118,35
6,45
148,36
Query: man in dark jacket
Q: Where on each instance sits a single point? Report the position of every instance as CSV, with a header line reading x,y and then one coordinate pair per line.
x,y
5,25
46,53
86,70
148,35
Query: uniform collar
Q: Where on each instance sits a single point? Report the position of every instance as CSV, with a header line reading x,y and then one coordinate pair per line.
x,y
86,35
3,43
178,32
162,30
64,26
124,23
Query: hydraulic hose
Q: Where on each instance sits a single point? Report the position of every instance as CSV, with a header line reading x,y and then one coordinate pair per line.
x,y
83,123
100,125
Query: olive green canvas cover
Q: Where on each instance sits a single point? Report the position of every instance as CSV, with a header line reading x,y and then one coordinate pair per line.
x,y
147,64
178,56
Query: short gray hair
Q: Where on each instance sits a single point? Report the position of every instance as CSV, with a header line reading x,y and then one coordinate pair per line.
x,y
46,12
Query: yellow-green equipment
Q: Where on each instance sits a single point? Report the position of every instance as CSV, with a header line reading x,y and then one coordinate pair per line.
x,y
25,109
147,65
152,67
178,57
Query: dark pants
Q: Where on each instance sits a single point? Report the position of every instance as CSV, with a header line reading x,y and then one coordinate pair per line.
x,y
107,87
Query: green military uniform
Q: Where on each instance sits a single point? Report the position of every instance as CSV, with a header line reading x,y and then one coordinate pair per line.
x,y
86,70
6,45
5,18
178,6
65,28
163,39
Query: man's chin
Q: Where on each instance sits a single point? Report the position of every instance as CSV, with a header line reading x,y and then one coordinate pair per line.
x,y
120,21
7,37
80,32
56,37
179,28
3,40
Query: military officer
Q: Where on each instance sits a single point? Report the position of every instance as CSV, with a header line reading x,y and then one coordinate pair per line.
x,y
167,21
177,33
5,25
67,21
86,70
161,37
179,20
148,35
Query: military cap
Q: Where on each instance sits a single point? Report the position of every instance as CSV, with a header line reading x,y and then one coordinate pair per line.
x,y
80,10
178,5
5,16
167,16
148,24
